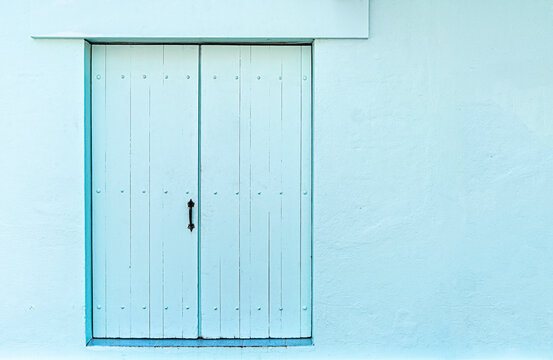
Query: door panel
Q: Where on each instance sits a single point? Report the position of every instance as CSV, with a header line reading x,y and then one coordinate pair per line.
x,y
145,161
256,191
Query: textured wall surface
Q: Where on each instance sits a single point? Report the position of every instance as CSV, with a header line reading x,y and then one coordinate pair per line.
x,y
433,195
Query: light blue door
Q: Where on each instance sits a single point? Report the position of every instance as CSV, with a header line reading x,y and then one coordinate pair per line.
x,y
144,171
256,191
244,269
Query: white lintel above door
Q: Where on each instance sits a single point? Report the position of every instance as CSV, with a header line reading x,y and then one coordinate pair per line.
x,y
192,20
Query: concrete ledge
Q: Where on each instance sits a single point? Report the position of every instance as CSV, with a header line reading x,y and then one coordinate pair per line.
x,y
200,342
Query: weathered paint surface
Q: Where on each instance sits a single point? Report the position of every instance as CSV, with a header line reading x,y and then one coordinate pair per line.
x,y
432,189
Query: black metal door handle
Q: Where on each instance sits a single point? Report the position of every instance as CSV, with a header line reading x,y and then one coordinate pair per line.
x,y
190,223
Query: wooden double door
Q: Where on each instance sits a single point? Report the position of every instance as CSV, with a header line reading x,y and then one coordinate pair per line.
x,y
201,191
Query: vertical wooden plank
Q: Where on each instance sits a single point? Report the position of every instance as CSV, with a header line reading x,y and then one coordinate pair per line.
x,y
98,129
117,202
174,183
291,133
152,78
275,192
220,191
87,188
141,59
260,95
245,193
228,209
305,330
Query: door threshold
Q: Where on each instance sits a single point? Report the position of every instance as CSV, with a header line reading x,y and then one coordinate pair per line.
x,y
200,342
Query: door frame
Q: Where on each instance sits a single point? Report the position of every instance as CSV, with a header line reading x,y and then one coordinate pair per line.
x,y
88,240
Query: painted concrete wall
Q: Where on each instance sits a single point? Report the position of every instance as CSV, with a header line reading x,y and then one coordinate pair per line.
x,y
433,195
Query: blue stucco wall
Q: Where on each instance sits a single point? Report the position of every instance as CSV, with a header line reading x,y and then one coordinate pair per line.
x,y
433,195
